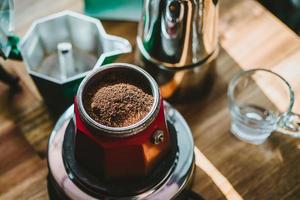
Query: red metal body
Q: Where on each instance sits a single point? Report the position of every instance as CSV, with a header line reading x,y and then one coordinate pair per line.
x,y
121,157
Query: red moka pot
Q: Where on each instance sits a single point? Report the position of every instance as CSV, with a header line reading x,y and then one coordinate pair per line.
x,y
149,160
120,153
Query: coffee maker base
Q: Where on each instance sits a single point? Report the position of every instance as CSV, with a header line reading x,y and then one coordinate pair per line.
x,y
62,182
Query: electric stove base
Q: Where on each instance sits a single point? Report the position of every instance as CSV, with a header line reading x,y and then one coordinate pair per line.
x,y
63,181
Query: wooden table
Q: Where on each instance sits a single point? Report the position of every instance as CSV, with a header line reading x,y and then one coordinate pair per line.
x,y
227,168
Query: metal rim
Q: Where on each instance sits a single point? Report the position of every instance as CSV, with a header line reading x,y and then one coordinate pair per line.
x,y
120,131
102,34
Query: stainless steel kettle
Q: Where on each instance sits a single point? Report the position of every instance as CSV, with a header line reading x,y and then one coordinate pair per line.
x,y
178,35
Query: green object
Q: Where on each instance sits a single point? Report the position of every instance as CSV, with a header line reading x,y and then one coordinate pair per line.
x,y
130,10
14,52
9,49
8,41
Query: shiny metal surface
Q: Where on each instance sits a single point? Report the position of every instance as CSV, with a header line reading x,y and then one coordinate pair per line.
x,y
91,45
176,183
119,131
66,60
178,33
184,84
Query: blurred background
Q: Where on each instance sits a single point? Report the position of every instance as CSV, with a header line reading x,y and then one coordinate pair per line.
x,y
286,10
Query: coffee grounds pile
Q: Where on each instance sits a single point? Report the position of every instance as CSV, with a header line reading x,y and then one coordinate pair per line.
x,y
119,104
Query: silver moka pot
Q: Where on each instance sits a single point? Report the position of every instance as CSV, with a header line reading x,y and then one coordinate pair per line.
x,y
58,51
177,41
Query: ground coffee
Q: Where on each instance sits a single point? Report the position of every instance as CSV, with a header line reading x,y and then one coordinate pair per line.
x,y
118,104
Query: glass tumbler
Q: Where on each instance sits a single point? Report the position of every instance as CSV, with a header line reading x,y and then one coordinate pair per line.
x,y
258,111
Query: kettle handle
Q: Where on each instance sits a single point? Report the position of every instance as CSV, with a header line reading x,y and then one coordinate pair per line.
x,y
118,44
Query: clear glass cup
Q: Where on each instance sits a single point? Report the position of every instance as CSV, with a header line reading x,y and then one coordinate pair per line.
x,y
258,111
